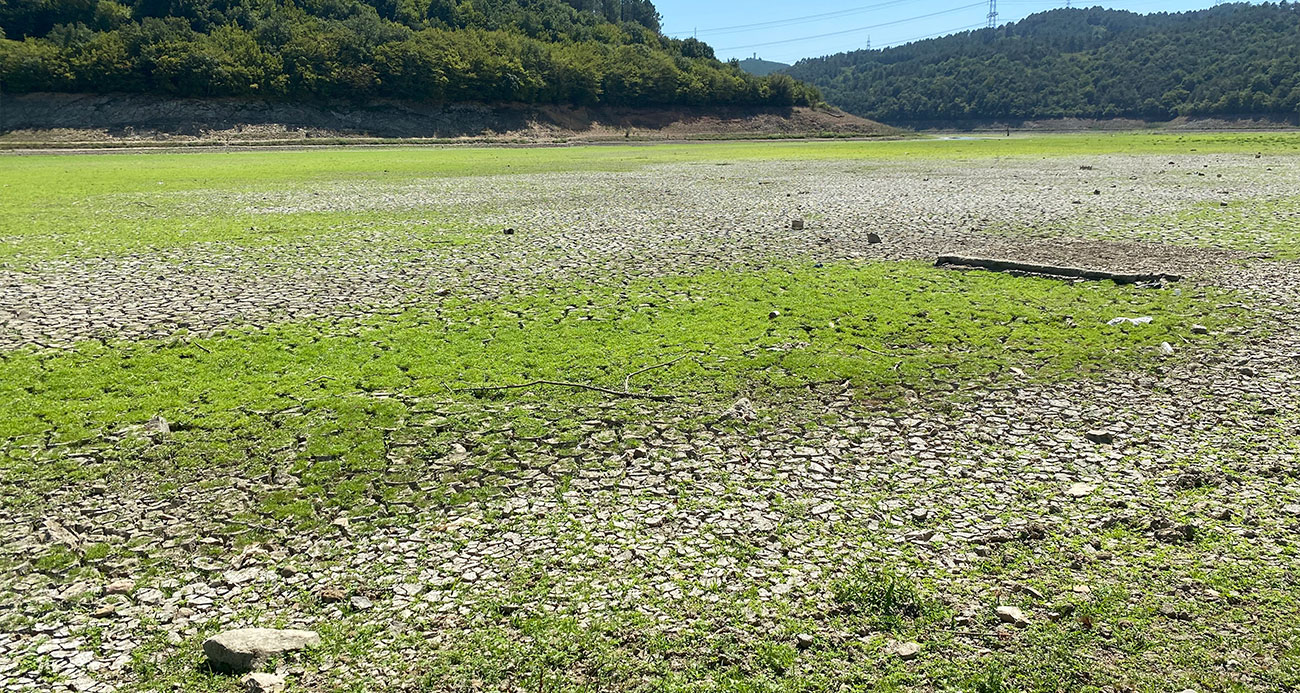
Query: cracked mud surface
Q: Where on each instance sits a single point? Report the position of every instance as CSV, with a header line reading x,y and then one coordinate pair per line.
x,y
665,219
680,542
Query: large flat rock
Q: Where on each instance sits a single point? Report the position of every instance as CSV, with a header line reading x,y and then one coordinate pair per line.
x,y
247,649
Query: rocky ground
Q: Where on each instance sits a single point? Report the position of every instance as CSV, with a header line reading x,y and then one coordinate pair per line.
x,y
1144,525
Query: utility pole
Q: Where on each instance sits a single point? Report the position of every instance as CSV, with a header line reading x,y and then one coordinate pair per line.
x,y
868,41
993,13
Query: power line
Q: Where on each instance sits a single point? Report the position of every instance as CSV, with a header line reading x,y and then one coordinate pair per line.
x,y
922,37
797,20
861,28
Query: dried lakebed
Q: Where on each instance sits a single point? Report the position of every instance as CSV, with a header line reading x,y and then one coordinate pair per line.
x,y
873,473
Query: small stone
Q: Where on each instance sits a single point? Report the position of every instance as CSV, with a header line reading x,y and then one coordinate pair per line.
x,y
239,577
1100,436
1291,509
360,603
247,649
774,315
120,587
796,225
1013,616
1079,490
331,595
873,238
263,683
803,641
1174,535
508,232
157,426
105,611
743,409
1166,348
150,596
1200,329
907,650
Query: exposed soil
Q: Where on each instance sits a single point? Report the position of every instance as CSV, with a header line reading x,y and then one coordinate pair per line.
x,y
105,120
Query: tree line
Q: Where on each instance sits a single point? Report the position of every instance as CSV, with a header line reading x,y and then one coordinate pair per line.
x,y
582,52
1234,59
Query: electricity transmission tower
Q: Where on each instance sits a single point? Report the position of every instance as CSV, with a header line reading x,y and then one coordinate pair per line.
x,y
993,13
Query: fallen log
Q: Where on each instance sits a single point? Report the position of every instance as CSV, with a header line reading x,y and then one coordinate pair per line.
x,y
1052,270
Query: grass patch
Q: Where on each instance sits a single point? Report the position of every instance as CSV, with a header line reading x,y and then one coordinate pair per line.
x,y
882,595
326,398
743,333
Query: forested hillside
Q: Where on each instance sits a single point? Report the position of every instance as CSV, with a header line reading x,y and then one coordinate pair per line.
x,y
579,52
760,67
1233,59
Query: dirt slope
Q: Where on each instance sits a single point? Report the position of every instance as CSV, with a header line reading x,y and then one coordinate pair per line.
x,y
98,119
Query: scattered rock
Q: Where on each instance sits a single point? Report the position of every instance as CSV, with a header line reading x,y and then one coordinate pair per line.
x,y
1195,478
1200,329
120,587
1079,490
157,426
1166,349
261,682
1100,436
1144,320
796,225
1177,534
1013,616
873,238
743,409
803,641
360,603
774,315
907,650
508,232
247,649
331,595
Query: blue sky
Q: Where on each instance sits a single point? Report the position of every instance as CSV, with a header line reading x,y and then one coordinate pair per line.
x,y
787,31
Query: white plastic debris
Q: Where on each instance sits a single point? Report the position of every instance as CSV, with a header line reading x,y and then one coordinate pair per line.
x,y
1144,320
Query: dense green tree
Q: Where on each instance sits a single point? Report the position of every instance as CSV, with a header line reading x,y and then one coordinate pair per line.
x,y
536,51
1235,59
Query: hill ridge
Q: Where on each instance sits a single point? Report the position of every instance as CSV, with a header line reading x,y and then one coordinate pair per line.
x,y
1079,63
